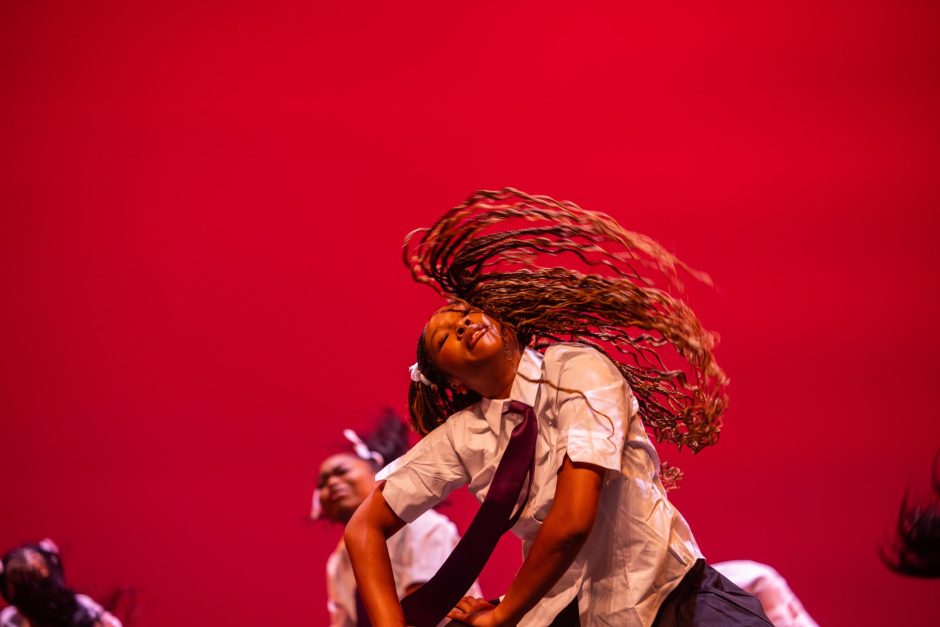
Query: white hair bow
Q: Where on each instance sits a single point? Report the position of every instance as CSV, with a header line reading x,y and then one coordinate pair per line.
x,y
417,376
363,451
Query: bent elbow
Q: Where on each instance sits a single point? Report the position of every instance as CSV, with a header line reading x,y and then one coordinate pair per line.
x,y
571,544
356,527
572,535
579,524
576,537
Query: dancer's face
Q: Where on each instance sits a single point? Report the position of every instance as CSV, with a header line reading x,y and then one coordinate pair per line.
x,y
467,345
344,482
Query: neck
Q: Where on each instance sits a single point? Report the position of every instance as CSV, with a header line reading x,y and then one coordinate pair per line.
x,y
502,386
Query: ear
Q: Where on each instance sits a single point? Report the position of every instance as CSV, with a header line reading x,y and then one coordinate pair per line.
x,y
457,386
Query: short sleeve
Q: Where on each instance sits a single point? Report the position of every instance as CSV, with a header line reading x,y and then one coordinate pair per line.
x,y
594,416
424,476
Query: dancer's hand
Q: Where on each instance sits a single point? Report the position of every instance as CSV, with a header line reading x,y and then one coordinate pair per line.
x,y
476,612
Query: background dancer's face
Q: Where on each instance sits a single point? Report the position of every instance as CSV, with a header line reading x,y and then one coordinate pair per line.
x,y
344,482
469,347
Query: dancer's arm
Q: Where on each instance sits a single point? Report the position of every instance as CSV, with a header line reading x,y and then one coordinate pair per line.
x,y
368,529
564,532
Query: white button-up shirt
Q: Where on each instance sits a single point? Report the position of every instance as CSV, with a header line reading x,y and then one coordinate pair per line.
x,y
640,546
416,551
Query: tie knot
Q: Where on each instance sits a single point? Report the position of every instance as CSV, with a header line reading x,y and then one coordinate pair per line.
x,y
517,407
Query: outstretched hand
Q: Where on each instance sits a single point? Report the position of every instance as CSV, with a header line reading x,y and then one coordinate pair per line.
x,y
475,612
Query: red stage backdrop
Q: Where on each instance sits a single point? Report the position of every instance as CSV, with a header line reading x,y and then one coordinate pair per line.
x,y
202,211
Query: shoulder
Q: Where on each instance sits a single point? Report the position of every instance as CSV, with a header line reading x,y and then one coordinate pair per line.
x,y
437,447
88,603
458,419
105,619
567,353
457,435
454,428
579,363
9,617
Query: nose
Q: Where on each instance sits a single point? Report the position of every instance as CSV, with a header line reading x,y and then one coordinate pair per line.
x,y
463,325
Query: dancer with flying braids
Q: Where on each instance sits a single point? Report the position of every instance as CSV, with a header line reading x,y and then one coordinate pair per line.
x,y
561,344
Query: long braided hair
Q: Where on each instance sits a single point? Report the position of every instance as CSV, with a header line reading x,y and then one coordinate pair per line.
x,y
498,252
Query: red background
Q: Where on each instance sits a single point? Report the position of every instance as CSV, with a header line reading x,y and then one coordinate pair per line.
x,y
202,212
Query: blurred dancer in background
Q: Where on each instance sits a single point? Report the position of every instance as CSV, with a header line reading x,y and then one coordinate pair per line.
x,y
33,583
345,480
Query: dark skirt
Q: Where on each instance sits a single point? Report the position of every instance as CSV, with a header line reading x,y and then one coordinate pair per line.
x,y
703,598
569,617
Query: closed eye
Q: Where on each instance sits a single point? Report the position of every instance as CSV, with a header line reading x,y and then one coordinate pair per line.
x,y
339,471
440,344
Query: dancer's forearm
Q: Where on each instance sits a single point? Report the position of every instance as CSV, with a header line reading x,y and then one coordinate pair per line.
x,y
365,538
558,542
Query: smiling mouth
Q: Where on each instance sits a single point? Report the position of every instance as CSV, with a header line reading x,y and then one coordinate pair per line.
x,y
338,495
475,336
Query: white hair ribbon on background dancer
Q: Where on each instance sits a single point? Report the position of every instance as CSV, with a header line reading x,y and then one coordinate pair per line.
x,y
363,452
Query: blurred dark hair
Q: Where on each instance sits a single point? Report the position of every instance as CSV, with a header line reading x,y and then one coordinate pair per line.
x,y
915,547
390,437
43,599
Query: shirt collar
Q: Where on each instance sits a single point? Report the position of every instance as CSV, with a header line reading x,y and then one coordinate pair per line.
x,y
523,390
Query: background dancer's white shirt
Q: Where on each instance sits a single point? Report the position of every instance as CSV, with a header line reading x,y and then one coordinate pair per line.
x,y
416,551
775,596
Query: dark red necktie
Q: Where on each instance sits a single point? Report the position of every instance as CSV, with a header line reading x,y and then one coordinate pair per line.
x,y
429,604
